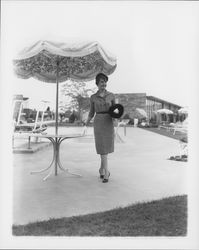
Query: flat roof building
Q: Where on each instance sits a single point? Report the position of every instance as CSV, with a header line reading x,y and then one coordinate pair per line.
x,y
150,104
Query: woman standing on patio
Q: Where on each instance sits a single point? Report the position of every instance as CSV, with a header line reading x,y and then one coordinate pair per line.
x,y
100,102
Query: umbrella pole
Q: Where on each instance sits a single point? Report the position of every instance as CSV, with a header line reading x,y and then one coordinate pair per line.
x,y
57,96
56,118
56,121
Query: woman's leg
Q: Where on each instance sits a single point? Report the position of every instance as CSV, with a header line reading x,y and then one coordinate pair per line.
x,y
101,170
104,165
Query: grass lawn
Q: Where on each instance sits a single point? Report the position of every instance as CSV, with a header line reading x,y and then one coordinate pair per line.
x,y
165,217
177,136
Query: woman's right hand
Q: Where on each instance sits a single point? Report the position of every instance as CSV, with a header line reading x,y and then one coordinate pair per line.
x,y
86,123
84,130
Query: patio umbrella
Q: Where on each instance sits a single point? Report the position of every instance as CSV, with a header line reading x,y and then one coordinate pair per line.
x,y
183,110
165,111
54,62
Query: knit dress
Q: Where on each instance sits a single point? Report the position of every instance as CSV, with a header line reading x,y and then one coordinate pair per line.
x,y
103,123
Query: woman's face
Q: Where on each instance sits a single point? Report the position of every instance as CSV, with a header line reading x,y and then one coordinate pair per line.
x,y
102,84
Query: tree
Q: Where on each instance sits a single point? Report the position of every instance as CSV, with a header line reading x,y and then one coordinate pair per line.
x,y
75,96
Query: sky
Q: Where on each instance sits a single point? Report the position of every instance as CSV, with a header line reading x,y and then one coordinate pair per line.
x,y
154,43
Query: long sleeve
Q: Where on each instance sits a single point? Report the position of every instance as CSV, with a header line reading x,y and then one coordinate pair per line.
x,y
113,101
92,109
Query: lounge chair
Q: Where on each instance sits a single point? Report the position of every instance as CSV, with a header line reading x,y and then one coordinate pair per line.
x,y
181,127
166,126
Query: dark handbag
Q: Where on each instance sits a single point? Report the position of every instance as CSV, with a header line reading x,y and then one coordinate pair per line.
x,y
116,111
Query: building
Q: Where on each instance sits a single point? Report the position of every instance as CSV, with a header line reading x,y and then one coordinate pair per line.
x,y
150,104
154,103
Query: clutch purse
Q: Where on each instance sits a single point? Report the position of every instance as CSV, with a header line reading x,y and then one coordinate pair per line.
x,y
116,110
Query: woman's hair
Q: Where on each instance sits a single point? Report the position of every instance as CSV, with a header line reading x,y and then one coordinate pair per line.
x,y
101,76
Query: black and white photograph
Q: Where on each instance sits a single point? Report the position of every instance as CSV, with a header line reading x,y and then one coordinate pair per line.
x,y
99,124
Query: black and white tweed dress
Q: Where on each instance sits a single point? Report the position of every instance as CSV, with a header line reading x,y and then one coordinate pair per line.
x,y
103,122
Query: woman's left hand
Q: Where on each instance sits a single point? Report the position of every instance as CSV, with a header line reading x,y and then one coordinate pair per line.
x,y
115,122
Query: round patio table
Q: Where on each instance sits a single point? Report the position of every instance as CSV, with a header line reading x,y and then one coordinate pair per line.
x,y
56,142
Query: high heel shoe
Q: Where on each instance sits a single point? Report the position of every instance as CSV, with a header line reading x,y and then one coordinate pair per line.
x,y
105,180
101,175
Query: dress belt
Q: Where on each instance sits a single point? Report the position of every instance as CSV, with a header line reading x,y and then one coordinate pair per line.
x,y
102,112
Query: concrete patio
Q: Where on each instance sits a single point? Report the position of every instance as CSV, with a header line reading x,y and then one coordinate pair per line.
x,y
140,171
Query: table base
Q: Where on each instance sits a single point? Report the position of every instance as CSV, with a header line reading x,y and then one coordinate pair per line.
x,y
56,159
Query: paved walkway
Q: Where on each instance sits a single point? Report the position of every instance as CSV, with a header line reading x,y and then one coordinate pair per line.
x,y
139,170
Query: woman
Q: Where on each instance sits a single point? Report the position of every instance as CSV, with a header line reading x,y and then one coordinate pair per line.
x,y
100,103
